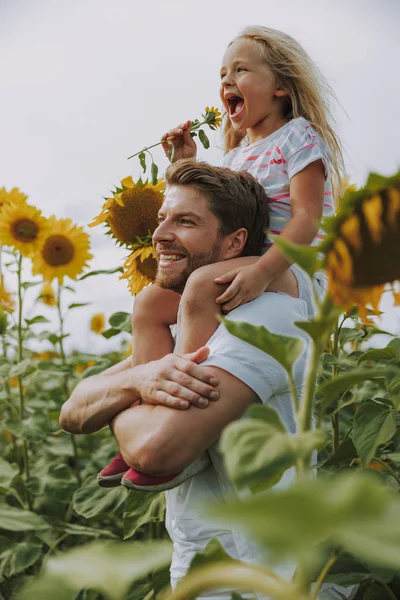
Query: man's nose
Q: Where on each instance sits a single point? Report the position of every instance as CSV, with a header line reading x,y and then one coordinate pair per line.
x,y
163,232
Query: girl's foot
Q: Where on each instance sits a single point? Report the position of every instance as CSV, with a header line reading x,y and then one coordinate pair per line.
x,y
135,480
112,474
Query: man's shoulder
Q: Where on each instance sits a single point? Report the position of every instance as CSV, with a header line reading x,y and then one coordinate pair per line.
x,y
274,310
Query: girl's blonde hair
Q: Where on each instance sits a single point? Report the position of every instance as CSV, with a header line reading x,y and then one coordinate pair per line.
x,y
309,94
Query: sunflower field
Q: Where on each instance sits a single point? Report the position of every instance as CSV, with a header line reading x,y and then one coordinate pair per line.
x,y
63,537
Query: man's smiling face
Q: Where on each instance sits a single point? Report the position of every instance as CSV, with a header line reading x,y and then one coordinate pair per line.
x,y
187,237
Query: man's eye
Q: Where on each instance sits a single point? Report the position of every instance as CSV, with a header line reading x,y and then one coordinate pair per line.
x,y
187,222
160,220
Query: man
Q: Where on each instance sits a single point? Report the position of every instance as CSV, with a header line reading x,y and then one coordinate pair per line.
x,y
154,437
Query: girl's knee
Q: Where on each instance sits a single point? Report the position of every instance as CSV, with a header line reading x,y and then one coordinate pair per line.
x,y
155,304
200,290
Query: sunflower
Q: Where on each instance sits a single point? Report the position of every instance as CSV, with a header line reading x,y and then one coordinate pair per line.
x,y
213,117
15,196
47,295
6,301
140,268
362,250
64,251
97,323
131,213
22,227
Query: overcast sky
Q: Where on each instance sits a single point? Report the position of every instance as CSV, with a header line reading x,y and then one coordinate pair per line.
x,y
86,83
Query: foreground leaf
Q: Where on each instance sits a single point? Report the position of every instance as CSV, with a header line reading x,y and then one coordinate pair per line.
x,y
108,567
258,451
353,511
285,350
14,519
374,424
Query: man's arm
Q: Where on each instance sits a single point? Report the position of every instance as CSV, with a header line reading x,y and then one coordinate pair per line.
x,y
159,441
174,381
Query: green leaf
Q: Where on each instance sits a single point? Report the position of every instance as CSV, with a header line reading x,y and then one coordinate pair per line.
x,y
304,256
212,553
330,390
48,588
378,354
121,321
25,367
316,329
15,519
154,173
346,451
23,555
352,510
142,159
78,304
204,139
108,567
76,529
37,319
257,452
101,272
374,424
142,508
95,369
27,284
109,333
285,350
90,500
7,474
59,483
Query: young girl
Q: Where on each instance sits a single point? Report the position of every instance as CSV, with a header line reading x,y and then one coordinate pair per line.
x,y
278,128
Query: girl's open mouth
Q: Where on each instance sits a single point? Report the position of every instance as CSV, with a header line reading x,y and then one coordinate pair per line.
x,y
235,104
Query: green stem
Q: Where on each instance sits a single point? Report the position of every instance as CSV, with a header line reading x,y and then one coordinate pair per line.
x,y
51,550
147,148
389,592
65,380
20,386
331,560
235,576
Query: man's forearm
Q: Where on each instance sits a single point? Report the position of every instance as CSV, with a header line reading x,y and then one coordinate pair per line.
x,y
96,400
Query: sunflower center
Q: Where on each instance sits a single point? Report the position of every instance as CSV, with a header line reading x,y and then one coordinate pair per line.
x,y
147,267
137,217
58,250
25,230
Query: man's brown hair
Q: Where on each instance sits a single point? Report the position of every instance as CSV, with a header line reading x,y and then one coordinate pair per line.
x,y
234,197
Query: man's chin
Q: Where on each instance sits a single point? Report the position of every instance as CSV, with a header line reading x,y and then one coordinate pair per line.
x,y
169,282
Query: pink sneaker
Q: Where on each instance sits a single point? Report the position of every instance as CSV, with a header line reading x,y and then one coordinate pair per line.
x,y
135,480
111,475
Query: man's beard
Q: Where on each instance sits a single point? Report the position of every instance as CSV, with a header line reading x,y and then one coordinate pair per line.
x,y
194,261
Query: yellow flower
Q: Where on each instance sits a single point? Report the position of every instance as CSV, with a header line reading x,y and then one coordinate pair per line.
x,y
14,196
128,350
140,268
6,301
64,251
97,323
13,382
362,251
22,227
215,117
132,211
47,295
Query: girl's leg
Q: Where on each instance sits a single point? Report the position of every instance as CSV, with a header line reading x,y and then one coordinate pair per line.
x,y
199,311
155,309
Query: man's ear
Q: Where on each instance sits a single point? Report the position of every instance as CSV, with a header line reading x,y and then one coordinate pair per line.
x,y
234,243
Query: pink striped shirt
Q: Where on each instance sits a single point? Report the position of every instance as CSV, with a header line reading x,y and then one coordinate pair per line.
x,y
274,160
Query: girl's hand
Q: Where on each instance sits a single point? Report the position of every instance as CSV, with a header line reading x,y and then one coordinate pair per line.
x,y
247,283
182,142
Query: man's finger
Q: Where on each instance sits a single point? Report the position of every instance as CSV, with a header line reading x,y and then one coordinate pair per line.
x,y
161,397
202,374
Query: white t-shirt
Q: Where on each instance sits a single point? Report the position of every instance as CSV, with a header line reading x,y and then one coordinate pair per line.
x,y
274,160
188,529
